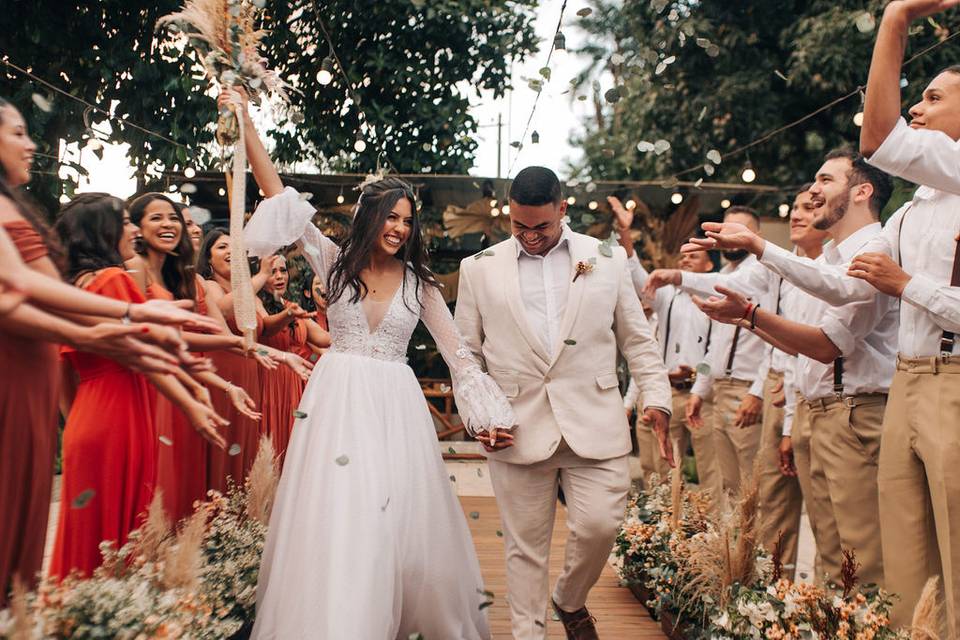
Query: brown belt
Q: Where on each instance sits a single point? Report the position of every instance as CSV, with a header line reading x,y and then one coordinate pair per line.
x,y
929,364
858,400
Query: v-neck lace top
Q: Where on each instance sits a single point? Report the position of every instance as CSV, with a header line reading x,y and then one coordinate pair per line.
x,y
286,218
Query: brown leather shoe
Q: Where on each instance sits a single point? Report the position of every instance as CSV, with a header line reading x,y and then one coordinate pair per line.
x,y
579,625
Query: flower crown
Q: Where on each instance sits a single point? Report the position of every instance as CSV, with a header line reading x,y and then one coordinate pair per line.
x,y
372,178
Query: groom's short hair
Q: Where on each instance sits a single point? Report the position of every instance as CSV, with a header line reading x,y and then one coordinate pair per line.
x,y
535,187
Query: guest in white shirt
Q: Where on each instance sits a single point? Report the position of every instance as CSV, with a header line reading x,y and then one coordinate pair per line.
x,y
846,357
683,333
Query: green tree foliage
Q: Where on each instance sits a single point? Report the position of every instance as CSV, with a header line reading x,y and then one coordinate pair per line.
x,y
414,66
716,74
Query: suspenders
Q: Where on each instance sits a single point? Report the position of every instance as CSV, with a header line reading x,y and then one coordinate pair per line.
x,y
666,336
733,351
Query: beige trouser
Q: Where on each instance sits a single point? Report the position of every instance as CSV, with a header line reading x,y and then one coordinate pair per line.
x,y
846,443
736,446
816,496
780,497
596,495
708,467
919,482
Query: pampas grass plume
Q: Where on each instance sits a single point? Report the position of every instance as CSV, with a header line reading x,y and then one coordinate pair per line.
x,y
926,615
183,560
262,482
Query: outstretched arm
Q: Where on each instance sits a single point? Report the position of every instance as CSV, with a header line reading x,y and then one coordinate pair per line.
x,y
264,171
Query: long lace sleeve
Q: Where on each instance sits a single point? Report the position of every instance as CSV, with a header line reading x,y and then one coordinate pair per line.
x,y
285,219
480,401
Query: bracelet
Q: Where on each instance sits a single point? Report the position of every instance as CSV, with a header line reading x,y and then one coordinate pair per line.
x,y
749,310
753,318
125,318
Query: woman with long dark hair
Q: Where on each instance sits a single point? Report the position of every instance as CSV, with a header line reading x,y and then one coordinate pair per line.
x,y
289,328
363,469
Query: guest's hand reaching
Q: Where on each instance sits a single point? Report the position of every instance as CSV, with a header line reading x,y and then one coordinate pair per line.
x,y
725,235
729,309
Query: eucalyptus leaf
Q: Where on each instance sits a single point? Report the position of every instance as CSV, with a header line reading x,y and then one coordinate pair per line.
x,y
342,460
83,499
234,449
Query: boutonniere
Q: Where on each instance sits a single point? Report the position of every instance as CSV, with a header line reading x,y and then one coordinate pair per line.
x,y
584,267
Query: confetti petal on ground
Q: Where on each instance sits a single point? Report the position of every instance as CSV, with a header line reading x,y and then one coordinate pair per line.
x,y
570,342
167,441
475,515
484,605
499,533
342,461
299,415
451,450
479,473
234,449
83,499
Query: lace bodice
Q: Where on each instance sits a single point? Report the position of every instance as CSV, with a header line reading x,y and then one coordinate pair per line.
x,y
285,219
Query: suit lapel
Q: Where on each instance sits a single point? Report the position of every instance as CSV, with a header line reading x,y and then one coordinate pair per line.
x,y
578,253
515,301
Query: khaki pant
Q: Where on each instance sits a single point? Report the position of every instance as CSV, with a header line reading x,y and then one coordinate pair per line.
x,y
780,498
596,494
736,446
681,435
846,443
816,497
919,480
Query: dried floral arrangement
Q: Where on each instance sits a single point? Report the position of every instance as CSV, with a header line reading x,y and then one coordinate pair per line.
x,y
198,581
710,575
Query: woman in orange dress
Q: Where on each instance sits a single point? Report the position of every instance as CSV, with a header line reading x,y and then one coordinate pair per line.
x,y
289,328
165,271
110,440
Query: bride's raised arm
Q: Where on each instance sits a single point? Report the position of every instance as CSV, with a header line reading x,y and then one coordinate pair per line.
x,y
284,217
480,401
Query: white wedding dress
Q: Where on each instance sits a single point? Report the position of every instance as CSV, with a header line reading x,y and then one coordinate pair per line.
x,y
367,540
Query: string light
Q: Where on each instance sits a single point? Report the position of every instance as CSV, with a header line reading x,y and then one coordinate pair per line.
x,y
506,209
325,75
748,175
360,145
340,198
172,188
784,210
571,201
593,205
494,212
559,42
676,198
724,204
630,205
493,204
534,138
222,191
858,119
64,198
189,172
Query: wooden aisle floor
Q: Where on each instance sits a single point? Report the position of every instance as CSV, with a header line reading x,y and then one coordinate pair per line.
x,y
619,615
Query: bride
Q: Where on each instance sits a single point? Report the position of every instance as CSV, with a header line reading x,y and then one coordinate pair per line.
x,y
367,540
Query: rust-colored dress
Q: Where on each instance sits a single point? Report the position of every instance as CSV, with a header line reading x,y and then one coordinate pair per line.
x,y
182,459
109,449
29,388
243,434
281,388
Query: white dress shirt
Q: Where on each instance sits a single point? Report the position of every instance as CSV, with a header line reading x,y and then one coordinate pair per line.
x,y
925,247
748,278
865,332
678,316
544,285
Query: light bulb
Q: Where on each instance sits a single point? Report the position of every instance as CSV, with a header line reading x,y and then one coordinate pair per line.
x,y
724,204
506,209
172,188
189,172
222,191
748,175
325,75
340,199
631,205
494,212
592,205
676,198
571,201
64,198
359,146
493,204
858,119
784,210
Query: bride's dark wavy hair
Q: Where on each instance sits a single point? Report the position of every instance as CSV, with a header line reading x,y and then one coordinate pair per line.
x,y
376,202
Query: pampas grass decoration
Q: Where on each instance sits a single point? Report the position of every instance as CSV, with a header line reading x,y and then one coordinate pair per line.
x,y
183,560
926,615
23,623
262,482
676,489
743,563
151,537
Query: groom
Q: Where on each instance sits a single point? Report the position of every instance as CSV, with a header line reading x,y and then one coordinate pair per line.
x,y
547,311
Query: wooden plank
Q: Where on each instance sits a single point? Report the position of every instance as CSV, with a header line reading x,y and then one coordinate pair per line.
x,y
619,615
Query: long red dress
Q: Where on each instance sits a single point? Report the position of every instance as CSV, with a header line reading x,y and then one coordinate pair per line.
x,y
243,434
281,388
182,459
109,449
29,388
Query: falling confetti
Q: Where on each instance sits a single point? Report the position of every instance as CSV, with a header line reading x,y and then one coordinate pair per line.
x,y
780,75
545,72
342,461
305,196
499,533
234,449
83,499
297,117
697,184
708,169
484,605
661,147
539,623
866,22
570,342
643,146
42,103
451,451
475,515
188,188
583,13
167,441
453,478
299,415
714,156
479,472
612,95
660,68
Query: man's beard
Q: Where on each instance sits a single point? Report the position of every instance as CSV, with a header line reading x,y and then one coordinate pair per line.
x,y
835,210
735,255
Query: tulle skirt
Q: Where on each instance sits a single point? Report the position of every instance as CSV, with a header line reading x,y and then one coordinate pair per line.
x,y
367,540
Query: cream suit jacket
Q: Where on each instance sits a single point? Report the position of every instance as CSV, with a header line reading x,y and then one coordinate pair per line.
x,y
575,394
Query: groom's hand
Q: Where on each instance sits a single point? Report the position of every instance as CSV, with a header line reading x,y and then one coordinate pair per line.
x,y
495,439
659,422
